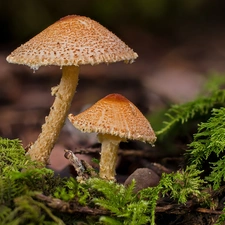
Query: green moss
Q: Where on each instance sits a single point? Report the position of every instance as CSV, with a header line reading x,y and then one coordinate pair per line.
x,y
12,156
125,206
205,152
21,181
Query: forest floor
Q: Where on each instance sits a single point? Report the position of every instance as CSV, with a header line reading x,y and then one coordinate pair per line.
x,y
163,74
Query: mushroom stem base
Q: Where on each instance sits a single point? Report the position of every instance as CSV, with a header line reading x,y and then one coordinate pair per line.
x,y
108,159
41,149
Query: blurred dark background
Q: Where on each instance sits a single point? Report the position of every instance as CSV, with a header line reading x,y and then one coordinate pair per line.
x,y
178,42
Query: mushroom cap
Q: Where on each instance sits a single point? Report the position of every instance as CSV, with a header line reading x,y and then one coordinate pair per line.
x,y
115,115
72,40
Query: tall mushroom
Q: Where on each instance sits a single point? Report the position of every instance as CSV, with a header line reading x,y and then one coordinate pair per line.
x,y
115,119
70,42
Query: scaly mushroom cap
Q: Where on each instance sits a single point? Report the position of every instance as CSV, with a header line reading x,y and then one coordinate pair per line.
x,y
115,115
72,40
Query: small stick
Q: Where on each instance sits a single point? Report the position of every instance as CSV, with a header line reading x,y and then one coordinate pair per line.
x,y
210,211
76,163
83,169
70,207
122,152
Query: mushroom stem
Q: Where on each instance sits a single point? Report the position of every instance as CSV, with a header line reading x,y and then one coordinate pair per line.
x,y
41,149
110,145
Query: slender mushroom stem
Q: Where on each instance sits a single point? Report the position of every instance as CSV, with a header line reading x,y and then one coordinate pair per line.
x,y
110,145
64,93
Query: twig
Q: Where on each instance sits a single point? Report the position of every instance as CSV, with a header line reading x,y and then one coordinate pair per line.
x,y
86,150
180,209
83,169
74,161
69,207
210,211
129,152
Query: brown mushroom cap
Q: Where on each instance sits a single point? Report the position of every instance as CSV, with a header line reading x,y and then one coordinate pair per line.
x,y
72,40
115,115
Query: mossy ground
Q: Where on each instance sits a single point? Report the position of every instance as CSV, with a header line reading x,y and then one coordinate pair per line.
x,y
32,194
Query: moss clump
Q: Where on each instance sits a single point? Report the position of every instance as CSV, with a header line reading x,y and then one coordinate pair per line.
x,y
206,152
31,194
20,179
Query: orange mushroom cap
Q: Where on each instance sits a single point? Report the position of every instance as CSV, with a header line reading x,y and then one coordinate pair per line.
x,y
115,115
72,40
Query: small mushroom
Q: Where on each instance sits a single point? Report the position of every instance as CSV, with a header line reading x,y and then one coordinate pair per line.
x,y
115,119
68,43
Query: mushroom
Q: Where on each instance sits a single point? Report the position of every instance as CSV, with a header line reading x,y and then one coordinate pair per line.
x,y
70,42
115,119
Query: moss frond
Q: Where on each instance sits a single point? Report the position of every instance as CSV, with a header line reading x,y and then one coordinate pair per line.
x,y
29,211
5,211
183,184
180,186
217,176
121,201
180,114
67,191
12,155
71,189
221,218
20,178
210,141
152,195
